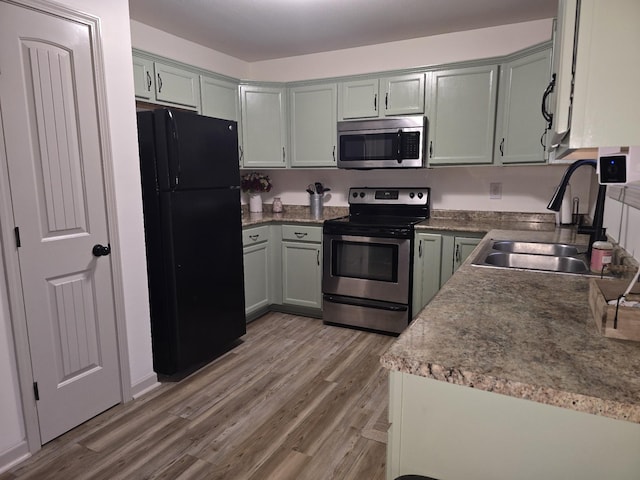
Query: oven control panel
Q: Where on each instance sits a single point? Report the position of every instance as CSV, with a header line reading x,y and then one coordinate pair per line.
x,y
389,196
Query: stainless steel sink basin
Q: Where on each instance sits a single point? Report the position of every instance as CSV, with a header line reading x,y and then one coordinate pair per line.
x,y
540,256
536,248
548,263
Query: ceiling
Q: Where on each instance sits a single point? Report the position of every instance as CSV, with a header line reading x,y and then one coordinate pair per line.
x,y
254,30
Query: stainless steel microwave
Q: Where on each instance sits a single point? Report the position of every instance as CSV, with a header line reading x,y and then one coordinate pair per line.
x,y
393,142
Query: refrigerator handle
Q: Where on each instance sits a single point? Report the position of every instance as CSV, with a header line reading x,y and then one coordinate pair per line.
x,y
174,143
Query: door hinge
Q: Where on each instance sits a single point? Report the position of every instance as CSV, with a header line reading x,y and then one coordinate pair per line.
x,y
35,391
16,232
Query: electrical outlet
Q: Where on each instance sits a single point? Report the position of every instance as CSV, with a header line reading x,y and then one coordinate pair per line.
x,y
495,191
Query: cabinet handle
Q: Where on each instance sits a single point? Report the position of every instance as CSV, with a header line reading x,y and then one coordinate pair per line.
x,y
159,83
458,253
254,237
420,249
430,148
386,101
241,153
502,147
334,153
375,102
148,82
300,234
545,114
283,155
318,257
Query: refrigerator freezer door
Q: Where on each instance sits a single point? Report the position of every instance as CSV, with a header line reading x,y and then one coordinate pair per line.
x,y
195,152
198,304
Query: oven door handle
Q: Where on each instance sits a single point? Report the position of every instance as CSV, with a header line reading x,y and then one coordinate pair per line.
x,y
359,302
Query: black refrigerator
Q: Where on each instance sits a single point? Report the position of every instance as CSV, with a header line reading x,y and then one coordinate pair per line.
x,y
193,232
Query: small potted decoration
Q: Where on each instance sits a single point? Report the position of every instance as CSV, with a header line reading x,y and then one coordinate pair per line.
x,y
254,184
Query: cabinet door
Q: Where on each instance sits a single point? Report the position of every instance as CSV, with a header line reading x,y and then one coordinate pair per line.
x,y
461,111
314,113
358,99
219,98
463,248
177,86
263,126
426,273
520,125
143,79
301,274
563,65
256,277
404,95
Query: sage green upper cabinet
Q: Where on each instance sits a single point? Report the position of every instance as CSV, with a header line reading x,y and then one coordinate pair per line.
x,y
372,98
602,108
164,84
314,114
143,78
519,123
403,95
177,86
461,108
359,99
219,98
264,128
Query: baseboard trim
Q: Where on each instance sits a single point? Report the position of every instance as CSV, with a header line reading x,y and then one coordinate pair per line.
x,y
13,456
144,386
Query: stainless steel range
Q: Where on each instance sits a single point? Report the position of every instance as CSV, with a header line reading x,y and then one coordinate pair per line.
x,y
368,257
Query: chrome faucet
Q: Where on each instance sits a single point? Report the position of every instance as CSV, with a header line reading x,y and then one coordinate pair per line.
x,y
595,231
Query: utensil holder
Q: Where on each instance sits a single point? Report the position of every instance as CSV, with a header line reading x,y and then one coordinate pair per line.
x,y
316,205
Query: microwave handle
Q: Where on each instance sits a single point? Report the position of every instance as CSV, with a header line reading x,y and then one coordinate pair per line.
x,y
399,149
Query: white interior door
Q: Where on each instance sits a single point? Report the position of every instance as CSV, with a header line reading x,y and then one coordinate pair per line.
x,y
50,124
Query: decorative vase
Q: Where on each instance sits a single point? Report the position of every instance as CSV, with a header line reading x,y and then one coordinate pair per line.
x,y
255,202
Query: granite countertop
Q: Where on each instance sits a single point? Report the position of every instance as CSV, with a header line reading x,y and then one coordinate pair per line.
x,y
291,214
528,335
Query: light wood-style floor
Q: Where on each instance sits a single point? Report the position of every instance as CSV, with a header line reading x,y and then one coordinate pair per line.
x,y
296,400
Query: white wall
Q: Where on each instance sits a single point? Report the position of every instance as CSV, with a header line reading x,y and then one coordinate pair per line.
x,y
115,29
419,52
167,45
524,189
439,49
623,224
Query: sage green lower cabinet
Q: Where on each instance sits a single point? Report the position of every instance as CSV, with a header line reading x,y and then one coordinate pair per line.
x,y
257,269
427,256
448,431
455,250
302,266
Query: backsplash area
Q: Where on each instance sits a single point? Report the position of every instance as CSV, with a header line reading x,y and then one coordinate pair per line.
x,y
523,188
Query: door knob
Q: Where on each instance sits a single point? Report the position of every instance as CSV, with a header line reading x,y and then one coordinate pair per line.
x,y
100,250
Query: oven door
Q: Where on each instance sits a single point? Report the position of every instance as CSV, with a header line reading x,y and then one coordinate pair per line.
x,y
367,267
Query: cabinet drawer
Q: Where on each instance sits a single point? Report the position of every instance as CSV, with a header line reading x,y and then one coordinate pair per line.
x,y
302,233
252,236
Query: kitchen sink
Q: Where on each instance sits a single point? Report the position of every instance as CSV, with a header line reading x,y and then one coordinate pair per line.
x,y
548,263
536,248
540,256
